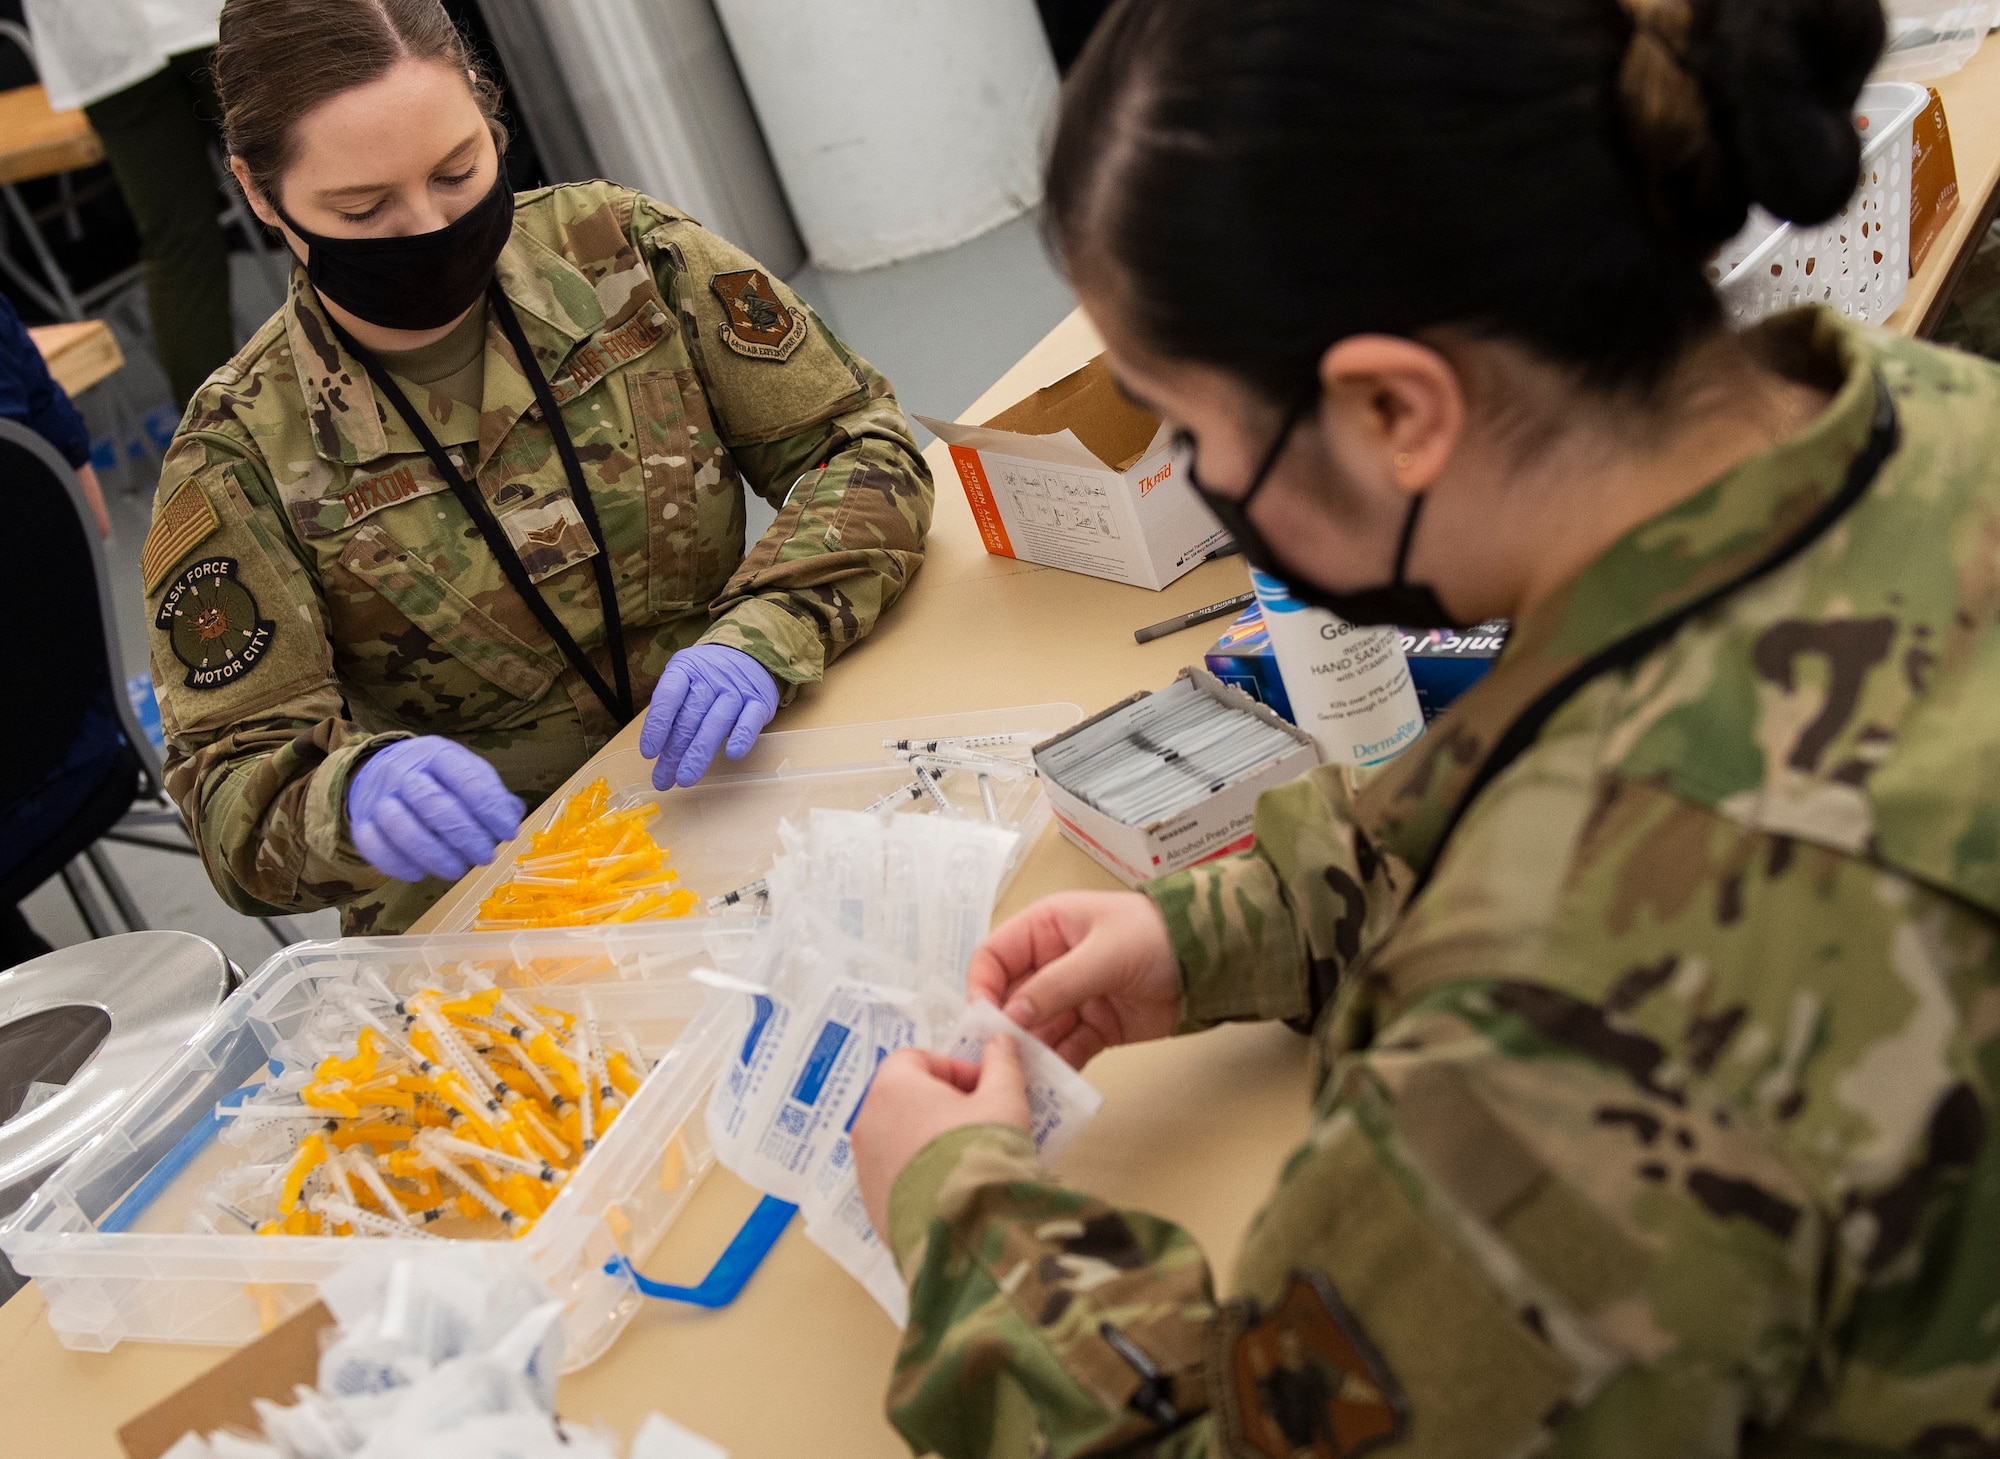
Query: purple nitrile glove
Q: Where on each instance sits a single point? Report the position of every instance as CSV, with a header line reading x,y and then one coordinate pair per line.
x,y
707,692
429,807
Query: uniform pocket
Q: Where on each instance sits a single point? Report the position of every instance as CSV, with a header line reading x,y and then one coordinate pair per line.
x,y
694,496
485,670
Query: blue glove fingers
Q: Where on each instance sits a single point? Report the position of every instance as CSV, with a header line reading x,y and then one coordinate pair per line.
x,y
481,791
447,817
667,697
687,724
409,836
756,714
385,858
722,714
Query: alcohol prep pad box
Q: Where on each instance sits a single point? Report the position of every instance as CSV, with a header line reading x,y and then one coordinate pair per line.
x,y
1220,823
1078,477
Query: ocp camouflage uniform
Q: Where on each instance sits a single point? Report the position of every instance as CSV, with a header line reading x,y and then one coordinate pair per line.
x,y
1661,1121
318,592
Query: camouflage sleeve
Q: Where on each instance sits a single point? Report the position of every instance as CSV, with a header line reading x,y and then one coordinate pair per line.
x,y
1502,1231
1268,932
1013,1283
818,434
260,744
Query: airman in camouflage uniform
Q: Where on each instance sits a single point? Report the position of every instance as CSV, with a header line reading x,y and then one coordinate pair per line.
x,y
1657,1115
317,591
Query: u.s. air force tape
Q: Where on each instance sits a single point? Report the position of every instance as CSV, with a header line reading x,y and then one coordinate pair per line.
x,y
211,620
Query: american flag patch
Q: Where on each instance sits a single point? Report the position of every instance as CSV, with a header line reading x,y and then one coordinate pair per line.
x,y
183,522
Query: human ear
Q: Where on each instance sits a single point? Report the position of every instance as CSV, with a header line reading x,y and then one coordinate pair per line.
x,y
252,194
1393,409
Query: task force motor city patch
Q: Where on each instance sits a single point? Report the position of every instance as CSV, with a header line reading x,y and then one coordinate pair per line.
x,y
758,323
211,620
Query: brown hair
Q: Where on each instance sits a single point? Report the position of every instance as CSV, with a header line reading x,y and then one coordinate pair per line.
x,y
1252,180
276,60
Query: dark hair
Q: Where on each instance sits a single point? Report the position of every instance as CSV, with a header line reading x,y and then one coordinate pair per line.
x,y
275,60
1255,179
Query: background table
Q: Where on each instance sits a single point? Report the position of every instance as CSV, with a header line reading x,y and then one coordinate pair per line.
x,y
1972,111
37,141
1192,1129
78,355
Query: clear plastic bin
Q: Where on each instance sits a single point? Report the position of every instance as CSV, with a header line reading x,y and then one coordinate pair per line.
x,y
1858,262
106,1238
722,832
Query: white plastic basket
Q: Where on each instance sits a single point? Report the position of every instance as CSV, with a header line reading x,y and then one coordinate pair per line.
x,y
105,1237
1859,261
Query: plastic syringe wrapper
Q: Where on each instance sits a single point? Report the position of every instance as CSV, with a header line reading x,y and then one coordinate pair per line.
x,y
451,1354
874,926
1060,1100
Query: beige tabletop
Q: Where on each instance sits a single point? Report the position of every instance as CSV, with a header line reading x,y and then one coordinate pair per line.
x,y
78,355
1972,112
798,1364
36,141
1192,1129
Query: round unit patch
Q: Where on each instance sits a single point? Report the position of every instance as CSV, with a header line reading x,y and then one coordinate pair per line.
x,y
211,620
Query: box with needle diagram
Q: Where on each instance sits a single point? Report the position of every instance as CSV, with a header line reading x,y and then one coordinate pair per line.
x,y
1078,477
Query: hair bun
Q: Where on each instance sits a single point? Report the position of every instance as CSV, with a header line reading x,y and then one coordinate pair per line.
x,y
1786,74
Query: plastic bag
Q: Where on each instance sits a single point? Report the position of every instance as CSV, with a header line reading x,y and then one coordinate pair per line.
x,y
1932,38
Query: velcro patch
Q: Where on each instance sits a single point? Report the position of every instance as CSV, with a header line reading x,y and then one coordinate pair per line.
x,y
606,353
183,522
756,322
548,537
212,622
370,494
1301,1381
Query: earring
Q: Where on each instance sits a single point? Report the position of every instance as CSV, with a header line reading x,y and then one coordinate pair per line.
x,y
1402,460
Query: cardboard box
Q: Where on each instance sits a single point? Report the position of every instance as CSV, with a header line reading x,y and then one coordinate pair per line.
x,y
1078,477
1243,659
1443,663
271,1367
1217,826
1933,180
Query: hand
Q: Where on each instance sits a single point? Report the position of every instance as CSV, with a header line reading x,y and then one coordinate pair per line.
x,y
1082,972
86,477
707,692
918,1096
429,807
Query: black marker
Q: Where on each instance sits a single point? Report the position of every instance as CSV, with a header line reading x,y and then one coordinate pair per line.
x,y
1188,620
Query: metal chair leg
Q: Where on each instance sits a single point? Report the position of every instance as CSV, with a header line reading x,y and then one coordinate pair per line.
x,y
94,920
58,280
72,220
114,886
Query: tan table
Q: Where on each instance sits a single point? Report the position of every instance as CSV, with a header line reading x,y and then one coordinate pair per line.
x,y
78,355
1972,111
1192,1129
798,1364
36,141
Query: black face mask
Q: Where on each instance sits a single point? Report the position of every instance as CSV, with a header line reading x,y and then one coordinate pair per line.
x,y
422,281
1397,603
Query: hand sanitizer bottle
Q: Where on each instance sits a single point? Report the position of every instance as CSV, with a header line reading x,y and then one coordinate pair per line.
x,y
1350,687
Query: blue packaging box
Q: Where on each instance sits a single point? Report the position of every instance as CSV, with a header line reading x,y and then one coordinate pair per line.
x,y
1444,663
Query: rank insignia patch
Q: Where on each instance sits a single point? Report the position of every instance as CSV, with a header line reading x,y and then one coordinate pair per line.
x,y
1302,1381
211,620
758,323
